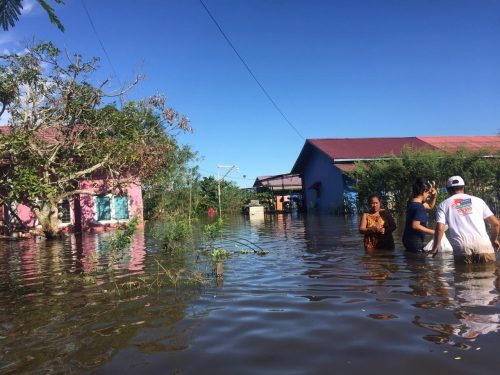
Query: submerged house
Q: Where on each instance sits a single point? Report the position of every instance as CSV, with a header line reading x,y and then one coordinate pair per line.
x,y
83,212
283,187
97,209
322,162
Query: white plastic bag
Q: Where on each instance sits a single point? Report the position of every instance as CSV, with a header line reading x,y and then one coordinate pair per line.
x,y
444,246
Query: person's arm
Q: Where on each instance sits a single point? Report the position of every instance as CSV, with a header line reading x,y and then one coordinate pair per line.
x,y
438,236
362,224
389,222
494,230
415,224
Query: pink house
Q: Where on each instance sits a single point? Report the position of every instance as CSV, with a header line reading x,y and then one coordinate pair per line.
x,y
86,212
96,211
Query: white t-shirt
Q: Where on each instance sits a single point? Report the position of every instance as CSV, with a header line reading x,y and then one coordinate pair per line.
x,y
465,215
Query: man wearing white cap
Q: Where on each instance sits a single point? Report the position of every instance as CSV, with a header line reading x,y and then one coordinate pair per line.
x,y
465,216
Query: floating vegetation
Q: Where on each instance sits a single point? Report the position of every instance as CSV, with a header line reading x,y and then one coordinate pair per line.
x,y
122,238
220,253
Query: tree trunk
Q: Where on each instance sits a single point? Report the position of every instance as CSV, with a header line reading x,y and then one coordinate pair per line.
x,y
49,219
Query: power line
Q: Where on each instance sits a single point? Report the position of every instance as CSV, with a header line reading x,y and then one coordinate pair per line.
x,y
100,41
250,71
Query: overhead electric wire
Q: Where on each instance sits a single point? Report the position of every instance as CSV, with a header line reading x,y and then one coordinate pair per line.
x,y
250,71
100,41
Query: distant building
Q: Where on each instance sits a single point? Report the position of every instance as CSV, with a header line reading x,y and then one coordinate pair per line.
x,y
286,189
322,162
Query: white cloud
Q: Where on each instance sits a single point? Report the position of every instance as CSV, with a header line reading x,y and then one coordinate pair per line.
x,y
28,6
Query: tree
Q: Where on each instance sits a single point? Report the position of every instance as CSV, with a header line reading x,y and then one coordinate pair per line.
x,y
232,197
171,194
392,178
62,131
10,10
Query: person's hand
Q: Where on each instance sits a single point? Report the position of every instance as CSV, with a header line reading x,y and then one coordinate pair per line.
x,y
496,245
432,253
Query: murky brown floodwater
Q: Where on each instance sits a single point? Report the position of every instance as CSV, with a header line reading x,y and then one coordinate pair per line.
x,y
315,304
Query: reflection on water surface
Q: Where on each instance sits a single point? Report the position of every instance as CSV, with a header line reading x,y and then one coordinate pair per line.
x,y
315,304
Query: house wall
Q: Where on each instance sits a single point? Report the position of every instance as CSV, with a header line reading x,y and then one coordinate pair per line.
x,y
320,168
83,208
88,207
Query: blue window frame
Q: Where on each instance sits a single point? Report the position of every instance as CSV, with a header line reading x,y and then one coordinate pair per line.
x,y
121,207
103,208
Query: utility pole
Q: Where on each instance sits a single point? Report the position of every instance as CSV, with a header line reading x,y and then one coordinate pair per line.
x,y
219,180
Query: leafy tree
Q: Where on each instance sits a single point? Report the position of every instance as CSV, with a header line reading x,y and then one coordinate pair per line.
x,y
61,131
232,197
10,10
172,192
393,177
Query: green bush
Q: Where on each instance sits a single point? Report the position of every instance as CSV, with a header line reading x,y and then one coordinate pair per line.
x,y
392,177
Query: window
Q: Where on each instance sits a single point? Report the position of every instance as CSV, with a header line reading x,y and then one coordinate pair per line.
x,y
121,207
103,208
64,212
108,207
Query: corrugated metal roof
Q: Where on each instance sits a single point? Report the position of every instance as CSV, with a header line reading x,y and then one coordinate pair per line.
x,y
366,148
473,143
350,149
278,181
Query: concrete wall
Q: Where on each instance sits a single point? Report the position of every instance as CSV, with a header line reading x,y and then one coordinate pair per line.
x,y
88,209
83,208
320,168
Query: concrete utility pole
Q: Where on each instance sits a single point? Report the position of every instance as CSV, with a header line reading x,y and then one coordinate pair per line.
x,y
219,180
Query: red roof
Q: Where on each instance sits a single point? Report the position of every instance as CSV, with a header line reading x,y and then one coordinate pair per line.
x,y
351,149
366,148
474,143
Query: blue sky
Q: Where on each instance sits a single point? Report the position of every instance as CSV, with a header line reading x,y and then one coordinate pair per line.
x,y
335,68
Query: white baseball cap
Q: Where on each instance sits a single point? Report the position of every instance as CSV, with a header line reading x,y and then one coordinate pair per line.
x,y
455,181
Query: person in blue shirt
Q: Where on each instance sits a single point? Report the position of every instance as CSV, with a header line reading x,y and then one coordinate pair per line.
x,y
423,198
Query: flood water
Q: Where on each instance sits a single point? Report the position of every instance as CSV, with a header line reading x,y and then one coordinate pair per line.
x,y
315,304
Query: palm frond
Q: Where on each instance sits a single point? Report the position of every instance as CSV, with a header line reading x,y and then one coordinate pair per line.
x,y
51,14
10,10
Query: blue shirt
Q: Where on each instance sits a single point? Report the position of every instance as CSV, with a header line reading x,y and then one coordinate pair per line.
x,y
413,240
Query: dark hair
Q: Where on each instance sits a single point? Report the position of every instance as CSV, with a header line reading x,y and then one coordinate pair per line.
x,y
419,187
373,196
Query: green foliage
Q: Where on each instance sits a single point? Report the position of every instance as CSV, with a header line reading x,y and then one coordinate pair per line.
x,y
219,254
119,241
212,231
392,178
174,188
61,132
232,197
176,277
10,10
174,233
122,238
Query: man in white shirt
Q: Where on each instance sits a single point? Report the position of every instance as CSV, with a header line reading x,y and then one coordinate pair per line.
x,y
465,216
